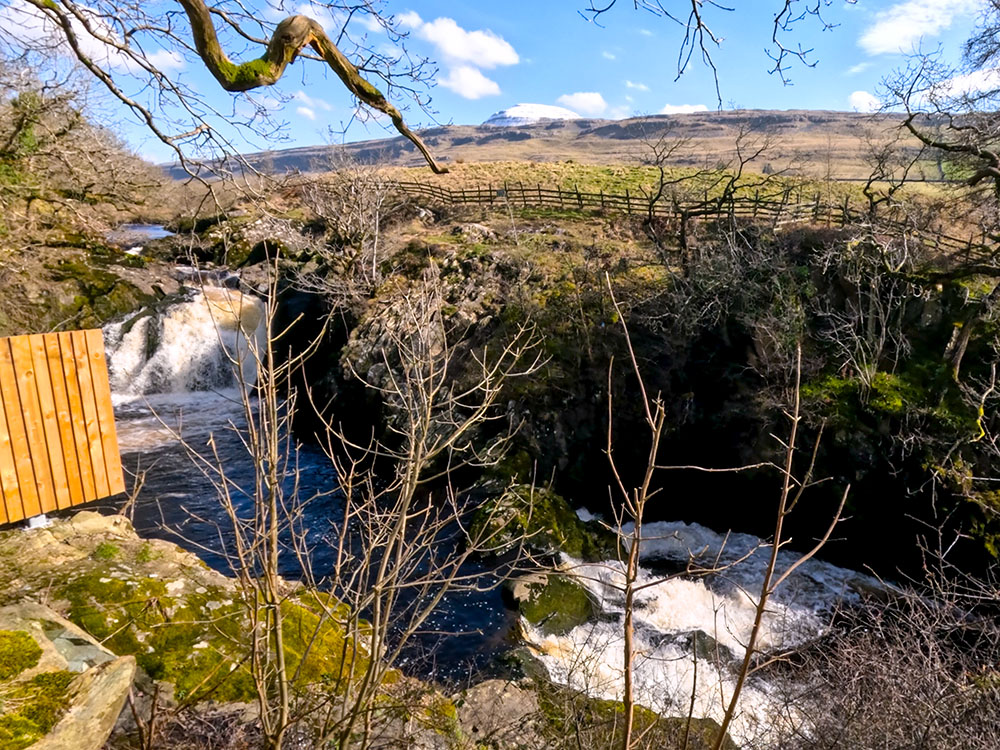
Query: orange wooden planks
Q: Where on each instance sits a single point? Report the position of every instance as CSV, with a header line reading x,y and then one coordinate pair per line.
x,y
34,427
64,418
28,504
58,443
50,420
94,444
80,440
105,411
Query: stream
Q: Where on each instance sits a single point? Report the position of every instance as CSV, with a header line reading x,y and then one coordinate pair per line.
x,y
175,372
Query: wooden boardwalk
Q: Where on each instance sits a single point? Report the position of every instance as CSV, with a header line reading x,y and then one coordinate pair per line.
x,y
58,445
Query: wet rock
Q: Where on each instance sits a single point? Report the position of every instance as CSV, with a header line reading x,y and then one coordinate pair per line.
x,y
552,602
544,521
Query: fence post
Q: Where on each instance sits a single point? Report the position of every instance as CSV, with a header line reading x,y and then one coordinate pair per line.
x,y
524,195
579,198
846,218
628,203
602,199
756,201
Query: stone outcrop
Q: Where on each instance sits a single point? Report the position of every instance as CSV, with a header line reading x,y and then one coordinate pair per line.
x,y
65,691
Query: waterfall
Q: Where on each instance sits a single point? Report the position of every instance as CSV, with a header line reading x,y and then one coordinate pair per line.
x,y
202,343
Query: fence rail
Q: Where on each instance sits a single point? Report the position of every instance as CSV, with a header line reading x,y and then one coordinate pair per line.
x,y
779,208
58,445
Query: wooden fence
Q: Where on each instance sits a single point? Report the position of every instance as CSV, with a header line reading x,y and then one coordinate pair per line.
x,y
778,208
58,446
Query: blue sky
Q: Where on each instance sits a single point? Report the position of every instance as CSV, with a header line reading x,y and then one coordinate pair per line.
x,y
493,55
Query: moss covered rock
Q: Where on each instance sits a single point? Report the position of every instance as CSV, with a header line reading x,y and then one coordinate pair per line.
x,y
184,623
594,722
18,652
59,683
552,602
35,705
544,520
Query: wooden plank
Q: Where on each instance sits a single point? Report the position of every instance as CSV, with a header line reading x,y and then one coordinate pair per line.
x,y
80,440
28,494
94,445
48,421
10,493
64,417
105,411
24,367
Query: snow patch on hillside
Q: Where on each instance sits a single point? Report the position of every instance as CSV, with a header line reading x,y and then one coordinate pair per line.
x,y
529,114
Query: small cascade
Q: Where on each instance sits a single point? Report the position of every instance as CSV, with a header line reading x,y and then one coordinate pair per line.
x,y
202,343
689,632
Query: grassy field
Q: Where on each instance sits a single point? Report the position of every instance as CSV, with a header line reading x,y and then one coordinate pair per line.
x,y
637,180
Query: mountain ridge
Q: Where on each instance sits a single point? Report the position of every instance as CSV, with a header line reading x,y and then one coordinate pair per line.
x,y
815,143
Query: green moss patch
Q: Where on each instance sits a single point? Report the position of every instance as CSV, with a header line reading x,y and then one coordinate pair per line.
x,y
28,710
18,652
558,606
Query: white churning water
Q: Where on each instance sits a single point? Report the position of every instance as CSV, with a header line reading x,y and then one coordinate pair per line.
x,y
198,344
677,618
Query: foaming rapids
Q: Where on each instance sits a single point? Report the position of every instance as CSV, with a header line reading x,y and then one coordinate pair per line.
x,y
202,343
690,632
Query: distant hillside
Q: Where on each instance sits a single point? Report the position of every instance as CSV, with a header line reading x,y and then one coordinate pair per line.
x,y
808,142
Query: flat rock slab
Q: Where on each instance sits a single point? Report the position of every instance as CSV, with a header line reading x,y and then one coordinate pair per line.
x,y
98,697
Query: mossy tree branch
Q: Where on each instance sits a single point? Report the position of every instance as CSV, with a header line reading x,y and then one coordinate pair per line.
x,y
290,37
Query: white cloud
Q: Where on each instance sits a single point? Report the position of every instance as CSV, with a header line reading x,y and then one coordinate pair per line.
x,y
164,59
608,55
862,101
859,68
465,53
636,86
469,83
410,19
312,102
369,22
481,47
900,27
682,109
584,102
645,32
306,112
619,113
970,83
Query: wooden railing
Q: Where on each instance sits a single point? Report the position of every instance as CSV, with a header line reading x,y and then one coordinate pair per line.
x,y
778,208
58,445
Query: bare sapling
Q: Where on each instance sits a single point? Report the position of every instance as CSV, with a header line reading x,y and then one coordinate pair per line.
x,y
400,541
633,503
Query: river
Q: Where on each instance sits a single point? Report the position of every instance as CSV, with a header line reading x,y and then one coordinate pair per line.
x,y
175,373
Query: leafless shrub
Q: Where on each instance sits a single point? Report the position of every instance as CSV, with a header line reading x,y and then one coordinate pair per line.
x,y
916,670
